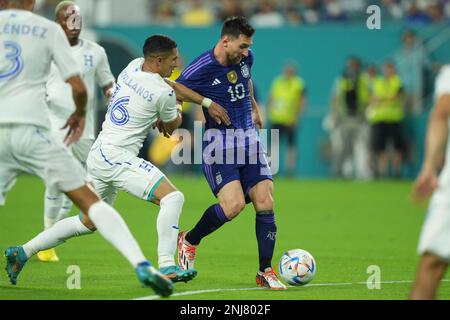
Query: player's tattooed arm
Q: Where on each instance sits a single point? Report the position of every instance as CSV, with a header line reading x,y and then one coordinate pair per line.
x,y
216,111
257,118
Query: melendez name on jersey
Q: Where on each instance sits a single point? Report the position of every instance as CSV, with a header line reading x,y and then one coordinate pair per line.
x,y
228,86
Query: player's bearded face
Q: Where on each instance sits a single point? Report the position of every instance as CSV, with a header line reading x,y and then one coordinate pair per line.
x,y
237,49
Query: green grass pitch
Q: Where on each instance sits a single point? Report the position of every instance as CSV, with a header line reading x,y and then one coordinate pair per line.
x,y
347,226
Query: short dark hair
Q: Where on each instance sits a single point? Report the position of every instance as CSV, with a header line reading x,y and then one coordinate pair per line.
x,y
158,44
235,26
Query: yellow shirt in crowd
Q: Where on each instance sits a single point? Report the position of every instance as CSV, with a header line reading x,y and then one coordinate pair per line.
x,y
286,94
388,105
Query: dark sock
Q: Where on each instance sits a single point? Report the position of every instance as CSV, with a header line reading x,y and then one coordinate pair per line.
x,y
266,232
212,219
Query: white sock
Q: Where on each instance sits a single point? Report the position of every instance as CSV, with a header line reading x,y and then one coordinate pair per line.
x,y
52,206
167,226
114,229
56,235
66,206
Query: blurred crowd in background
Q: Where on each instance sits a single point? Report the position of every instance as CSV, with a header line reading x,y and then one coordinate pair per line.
x,y
268,13
368,102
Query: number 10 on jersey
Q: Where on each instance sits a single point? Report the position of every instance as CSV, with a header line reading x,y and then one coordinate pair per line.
x,y
237,92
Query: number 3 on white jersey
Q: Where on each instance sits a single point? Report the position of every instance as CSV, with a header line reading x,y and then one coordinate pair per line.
x,y
12,55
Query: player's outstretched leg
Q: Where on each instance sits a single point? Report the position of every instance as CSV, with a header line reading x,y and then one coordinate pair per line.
x,y
110,225
50,238
114,229
171,204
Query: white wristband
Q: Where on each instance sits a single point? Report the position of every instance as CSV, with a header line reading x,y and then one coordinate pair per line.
x,y
207,102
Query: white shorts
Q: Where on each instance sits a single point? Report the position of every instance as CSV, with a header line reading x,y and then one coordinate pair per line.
x,y
32,149
111,168
435,236
79,149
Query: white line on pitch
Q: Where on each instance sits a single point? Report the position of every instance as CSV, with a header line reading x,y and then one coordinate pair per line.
x,y
196,292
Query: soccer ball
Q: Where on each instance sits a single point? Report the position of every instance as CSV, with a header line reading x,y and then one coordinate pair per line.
x,y
297,267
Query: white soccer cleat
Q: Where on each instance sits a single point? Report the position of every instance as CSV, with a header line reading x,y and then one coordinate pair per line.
x,y
269,280
186,252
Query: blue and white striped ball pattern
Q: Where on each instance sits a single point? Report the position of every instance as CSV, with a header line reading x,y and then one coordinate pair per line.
x,y
297,267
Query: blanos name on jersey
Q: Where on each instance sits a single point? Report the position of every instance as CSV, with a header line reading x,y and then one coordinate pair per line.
x,y
24,29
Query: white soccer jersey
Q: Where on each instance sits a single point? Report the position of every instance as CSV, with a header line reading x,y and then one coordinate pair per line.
x,y
435,235
95,69
139,99
28,45
442,86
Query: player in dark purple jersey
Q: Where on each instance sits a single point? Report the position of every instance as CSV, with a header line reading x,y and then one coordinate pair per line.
x,y
223,74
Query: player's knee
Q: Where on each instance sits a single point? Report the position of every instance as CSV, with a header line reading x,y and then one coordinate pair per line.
x,y
263,203
174,198
233,207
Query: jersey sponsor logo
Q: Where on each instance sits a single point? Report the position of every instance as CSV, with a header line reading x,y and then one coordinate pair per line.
x,y
232,77
216,82
245,71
